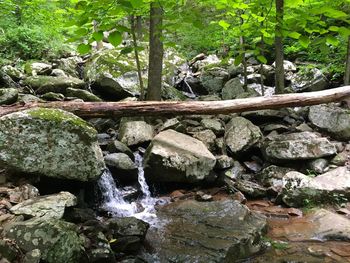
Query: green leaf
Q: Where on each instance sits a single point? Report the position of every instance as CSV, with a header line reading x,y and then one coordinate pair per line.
x,y
81,5
333,28
84,49
304,41
121,28
331,40
224,24
115,38
262,59
238,59
345,32
294,35
97,36
126,50
136,3
81,32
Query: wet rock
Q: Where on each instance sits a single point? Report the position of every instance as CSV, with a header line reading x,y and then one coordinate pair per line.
x,y
116,146
331,119
37,68
134,132
79,215
223,231
232,89
82,94
207,137
213,124
121,166
50,142
241,135
98,247
297,146
44,84
46,207
128,233
331,187
57,240
250,188
176,157
8,96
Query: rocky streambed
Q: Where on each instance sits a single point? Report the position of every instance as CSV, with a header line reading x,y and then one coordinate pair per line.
x,y
262,186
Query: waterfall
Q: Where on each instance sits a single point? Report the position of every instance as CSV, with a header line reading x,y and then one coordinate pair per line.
x,y
114,202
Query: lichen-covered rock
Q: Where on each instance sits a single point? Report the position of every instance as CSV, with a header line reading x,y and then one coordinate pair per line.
x,y
207,137
50,142
46,207
332,119
69,65
298,146
44,84
82,94
13,72
52,96
310,80
57,240
241,135
232,89
208,232
8,96
176,157
134,132
214,79
34,68
272,176
213,124
331,187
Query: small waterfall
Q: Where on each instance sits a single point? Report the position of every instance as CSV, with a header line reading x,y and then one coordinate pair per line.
x,y
113,197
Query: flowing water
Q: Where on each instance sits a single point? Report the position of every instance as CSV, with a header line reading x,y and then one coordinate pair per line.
x,y
113,200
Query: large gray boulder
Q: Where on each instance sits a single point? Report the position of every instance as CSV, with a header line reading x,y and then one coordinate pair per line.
x,y
331,187
297,146
176,157
208,232
232,89
50,142
213,80
46,207
8,96
241,135
57,241
44,84
331,119
310,80
134,132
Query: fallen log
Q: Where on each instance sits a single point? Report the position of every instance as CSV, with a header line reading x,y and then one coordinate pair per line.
x,y
147,108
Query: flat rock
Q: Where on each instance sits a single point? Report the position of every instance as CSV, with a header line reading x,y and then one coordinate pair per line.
x,y
134,132
176,157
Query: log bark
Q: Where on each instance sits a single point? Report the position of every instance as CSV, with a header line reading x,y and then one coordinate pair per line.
x,y
161,108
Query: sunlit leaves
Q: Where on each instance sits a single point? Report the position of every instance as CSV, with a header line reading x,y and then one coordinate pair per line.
x,y
84,49
224,24
304,41
115,38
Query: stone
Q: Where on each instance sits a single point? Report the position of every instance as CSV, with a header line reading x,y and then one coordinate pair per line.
x,y
134,132
116,146
28,98
311,80
50,142
82,94
232,89
122,166
330,187
170,93
176,157
213,124
34,68
207,137
241,135
213,80
69,65
45,207
207,61
9,251
44,84
58,73
224,162
13,72
297,146
52,96
8,96
219,231
272,176
331,119
287,65
318,166
57,241
251,189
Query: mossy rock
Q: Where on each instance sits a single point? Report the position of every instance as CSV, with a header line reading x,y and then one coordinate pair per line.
x,y
8,96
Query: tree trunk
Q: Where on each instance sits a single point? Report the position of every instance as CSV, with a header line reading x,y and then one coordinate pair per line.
x,y
159,108
155,53
99,44
244,60
347,70
279,75
138,64
139,27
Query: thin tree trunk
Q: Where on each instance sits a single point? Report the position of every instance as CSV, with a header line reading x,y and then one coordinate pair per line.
x,y
244,60
139,27
138,64
158,108
99,44
156,52
347,70
279,75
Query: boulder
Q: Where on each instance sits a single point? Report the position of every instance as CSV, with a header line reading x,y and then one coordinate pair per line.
x,y
44,84
232,89
213,124
13,72
297,146
69,65
8,96
34,68
50,142
176,157
287,65
82,94
207,137
217,231
57,241
46,207
58,73
52,96
213,80
116,146
311,80
134,132
331,119
121,166
272,176
171,93
331,187
241,135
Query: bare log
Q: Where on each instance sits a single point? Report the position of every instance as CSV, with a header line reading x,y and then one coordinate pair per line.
x,y
148,108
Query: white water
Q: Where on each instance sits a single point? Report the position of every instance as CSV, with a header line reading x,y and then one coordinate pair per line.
x,y
113,197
